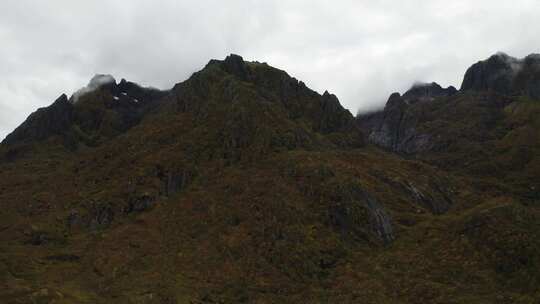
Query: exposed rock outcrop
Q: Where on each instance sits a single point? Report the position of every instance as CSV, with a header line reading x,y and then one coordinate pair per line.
x,y
95,216
111,109
505,75
401,125
358,213
273,94
438,201
427,92
103,108
140,203
394,128
175,180
55,119
100,215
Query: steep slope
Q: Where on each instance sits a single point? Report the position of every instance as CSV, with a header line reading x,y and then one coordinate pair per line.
x,y
505,75
243,185
54,119
101,110
488,129
427,92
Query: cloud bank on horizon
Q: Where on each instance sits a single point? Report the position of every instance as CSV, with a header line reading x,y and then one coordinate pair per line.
x,y
359,50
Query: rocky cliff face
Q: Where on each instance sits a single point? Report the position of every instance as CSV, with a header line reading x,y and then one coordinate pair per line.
x,y
100,110
323,112
427,92
395,127
444,127
505,75
45,122
398,127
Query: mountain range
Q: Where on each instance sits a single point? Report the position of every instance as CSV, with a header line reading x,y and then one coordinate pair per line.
x,y
243,185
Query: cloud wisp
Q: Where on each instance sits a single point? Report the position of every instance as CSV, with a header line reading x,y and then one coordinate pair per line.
x,y
95,83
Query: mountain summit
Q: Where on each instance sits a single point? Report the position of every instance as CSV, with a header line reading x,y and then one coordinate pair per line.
x,y
242,185
101,109
506,75
104,109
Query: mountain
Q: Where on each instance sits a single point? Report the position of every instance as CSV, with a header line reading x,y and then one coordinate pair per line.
x,y
427,91
506,75
488,128
100,110
242,185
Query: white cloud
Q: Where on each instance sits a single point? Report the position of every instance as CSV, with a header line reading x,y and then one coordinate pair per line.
x,y
95,83
359,50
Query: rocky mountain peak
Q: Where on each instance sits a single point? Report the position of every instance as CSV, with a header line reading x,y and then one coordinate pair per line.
x,y
54,119
232,64
102,108
101,79
427,91
395,99
98,81
238,86
506,75
235,64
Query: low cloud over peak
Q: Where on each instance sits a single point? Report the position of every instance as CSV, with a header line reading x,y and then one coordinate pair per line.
x,y
95,83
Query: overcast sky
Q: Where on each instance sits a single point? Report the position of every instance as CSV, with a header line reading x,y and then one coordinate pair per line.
x,y
359,50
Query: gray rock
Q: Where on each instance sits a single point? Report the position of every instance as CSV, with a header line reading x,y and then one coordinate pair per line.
x,y
140,203
358,213
427,92
55,119
73,219
76,122
379,219
505,75
438,202
235,65
394,128
175,180
38,238
100,216
495,73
